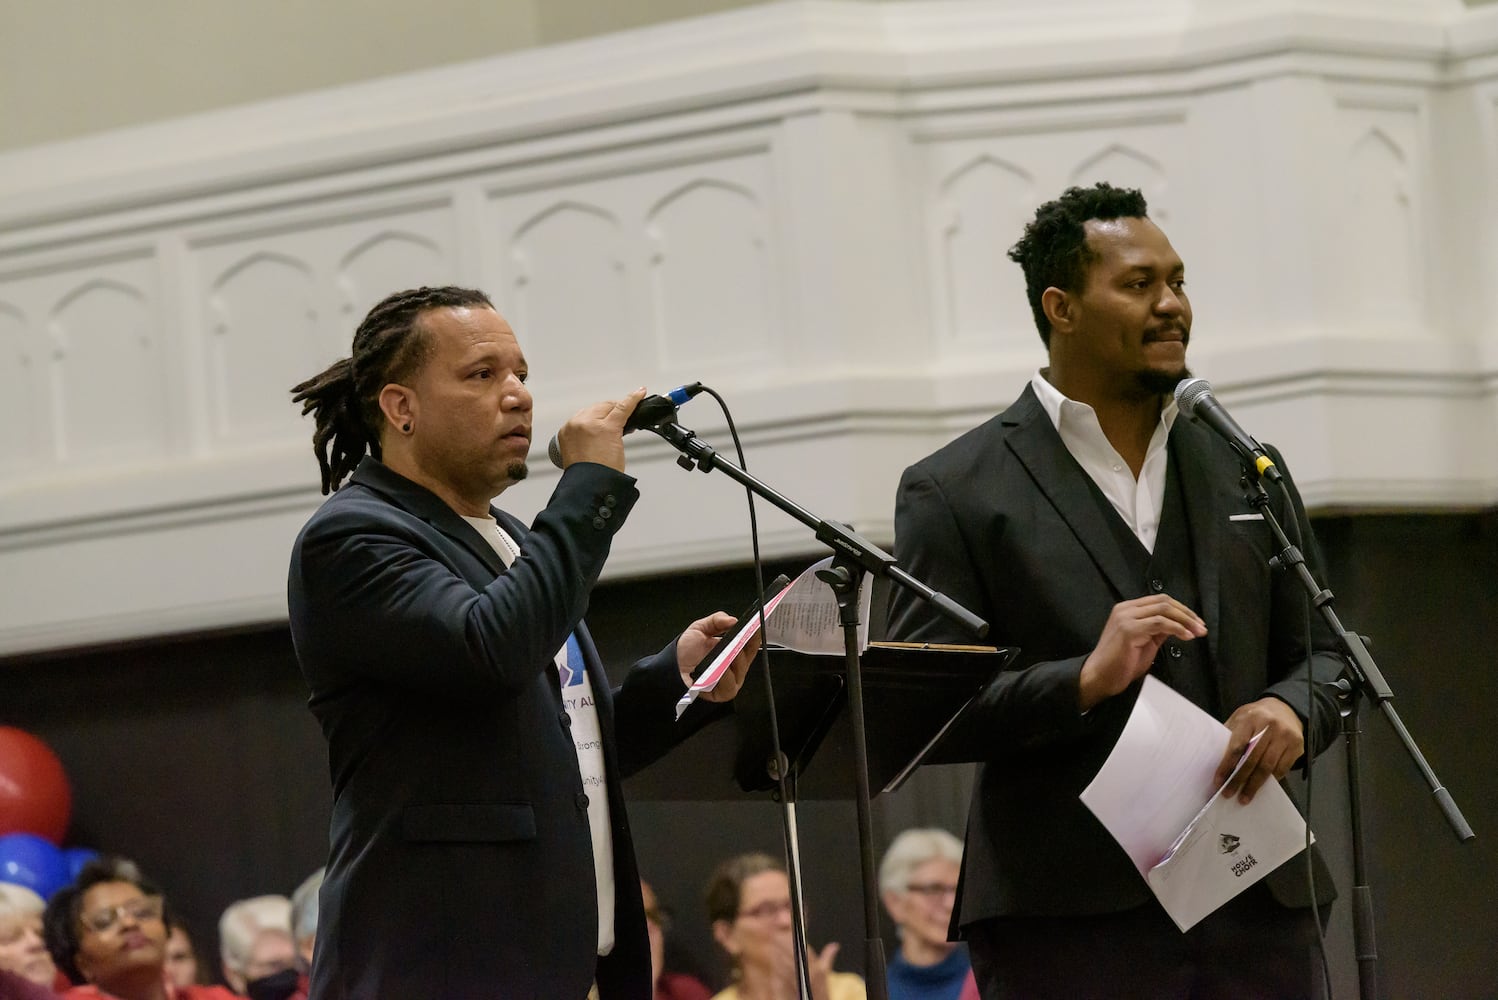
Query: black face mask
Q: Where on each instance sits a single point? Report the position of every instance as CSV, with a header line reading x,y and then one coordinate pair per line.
x,y
276,986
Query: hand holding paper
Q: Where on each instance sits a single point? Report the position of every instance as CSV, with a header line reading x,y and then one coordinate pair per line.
x,y
1160,795
1245,767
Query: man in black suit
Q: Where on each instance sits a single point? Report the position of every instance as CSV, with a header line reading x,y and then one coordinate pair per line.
x,y
479,842
1108,538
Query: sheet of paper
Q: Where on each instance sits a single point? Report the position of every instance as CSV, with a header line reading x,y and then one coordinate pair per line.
x,y
807,620
1156,795
723,657
803,617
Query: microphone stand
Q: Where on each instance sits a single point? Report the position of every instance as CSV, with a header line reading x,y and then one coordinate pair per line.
x,y
1368,681
851,552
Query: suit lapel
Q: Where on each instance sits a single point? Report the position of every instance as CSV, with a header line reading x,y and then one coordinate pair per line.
x,y
1205,487
1036,443
426,505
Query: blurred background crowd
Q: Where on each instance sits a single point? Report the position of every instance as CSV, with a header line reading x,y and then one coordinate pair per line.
x,y
80,924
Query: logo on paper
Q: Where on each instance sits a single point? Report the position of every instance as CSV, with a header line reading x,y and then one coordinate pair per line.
x,y
1227,843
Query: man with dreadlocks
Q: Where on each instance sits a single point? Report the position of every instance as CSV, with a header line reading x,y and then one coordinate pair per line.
x,y
479,843
1109,539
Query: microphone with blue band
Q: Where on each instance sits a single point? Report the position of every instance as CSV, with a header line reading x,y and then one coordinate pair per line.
x,y
652,411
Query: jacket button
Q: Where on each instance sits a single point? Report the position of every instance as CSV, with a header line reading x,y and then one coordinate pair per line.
x,y
605,513
609,501
1158,586
582,800
599,523
1175,652
566,719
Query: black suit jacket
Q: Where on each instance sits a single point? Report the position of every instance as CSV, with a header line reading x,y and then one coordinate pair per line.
x,y
461,863
1006,522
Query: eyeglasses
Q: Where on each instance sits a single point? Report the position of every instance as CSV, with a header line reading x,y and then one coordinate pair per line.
x,y
139,910
768,910
933,890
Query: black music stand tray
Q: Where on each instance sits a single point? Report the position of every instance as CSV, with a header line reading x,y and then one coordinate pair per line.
x,y
914,695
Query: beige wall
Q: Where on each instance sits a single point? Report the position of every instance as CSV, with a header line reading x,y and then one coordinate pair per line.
x,y
71,67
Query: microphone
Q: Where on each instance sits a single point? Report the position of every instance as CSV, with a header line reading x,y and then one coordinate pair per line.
x,y
1195,399
651,412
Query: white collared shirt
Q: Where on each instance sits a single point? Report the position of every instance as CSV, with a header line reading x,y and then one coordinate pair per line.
x,y
587,737
1139,501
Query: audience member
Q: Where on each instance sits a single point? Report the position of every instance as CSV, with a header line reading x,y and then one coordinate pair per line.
x,y
749,906
108,930
183,965
254,937
666,985
918,883
23,950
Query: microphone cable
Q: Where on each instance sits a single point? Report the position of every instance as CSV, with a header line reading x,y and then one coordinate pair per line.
x,y
782,763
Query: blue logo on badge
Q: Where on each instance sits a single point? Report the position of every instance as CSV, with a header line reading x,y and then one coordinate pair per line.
x,y
572,674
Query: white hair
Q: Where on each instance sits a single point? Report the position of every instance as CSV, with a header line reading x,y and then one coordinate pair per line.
x,y
243,922
910,850
304,907
19,901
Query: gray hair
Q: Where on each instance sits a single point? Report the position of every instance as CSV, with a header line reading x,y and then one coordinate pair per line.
x,y
19,901
304,909
912,849
242,923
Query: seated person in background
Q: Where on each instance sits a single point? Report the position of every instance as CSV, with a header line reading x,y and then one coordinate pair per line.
x,y
666,985
254,937
183,967
294,983
749,907
23,951
918,883
108,930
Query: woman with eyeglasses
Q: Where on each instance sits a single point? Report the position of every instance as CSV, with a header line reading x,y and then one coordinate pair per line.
x,y
749,905
918,884
108,930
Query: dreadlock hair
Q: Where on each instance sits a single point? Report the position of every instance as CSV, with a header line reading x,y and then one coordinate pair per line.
x,y
389,346
1054,251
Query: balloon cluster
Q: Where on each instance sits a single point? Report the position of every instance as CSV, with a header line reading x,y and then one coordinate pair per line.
x,y
35,807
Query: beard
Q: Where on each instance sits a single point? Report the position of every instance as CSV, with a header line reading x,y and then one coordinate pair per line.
x,y
517,471
1156,383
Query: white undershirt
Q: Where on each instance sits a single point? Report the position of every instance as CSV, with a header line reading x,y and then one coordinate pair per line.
x,y
587,737
1138,502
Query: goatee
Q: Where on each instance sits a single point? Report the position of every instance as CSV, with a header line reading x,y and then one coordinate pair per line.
x,y
517,471
1160,383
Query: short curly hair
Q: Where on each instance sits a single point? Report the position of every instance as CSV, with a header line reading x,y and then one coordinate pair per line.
x,y
1054,252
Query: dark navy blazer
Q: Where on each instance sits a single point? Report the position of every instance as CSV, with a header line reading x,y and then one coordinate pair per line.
x,y
460,862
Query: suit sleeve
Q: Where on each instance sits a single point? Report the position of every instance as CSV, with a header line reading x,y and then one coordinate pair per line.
x,y
1302,647
390,611
645,711
1032,705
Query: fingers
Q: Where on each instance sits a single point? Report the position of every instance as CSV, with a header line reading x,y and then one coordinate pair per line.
x,y
1132,635
618,412
1280,746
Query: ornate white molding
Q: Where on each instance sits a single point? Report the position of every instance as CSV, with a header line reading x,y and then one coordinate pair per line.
x,y
805,204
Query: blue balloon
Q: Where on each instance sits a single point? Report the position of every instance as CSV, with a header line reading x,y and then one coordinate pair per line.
x,y
32,861
77,857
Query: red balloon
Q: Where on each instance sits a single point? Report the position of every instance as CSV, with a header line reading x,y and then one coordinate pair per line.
x,y
34,793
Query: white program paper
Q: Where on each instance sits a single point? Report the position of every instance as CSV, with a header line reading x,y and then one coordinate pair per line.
x,y
1156,796
803,617
807,619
